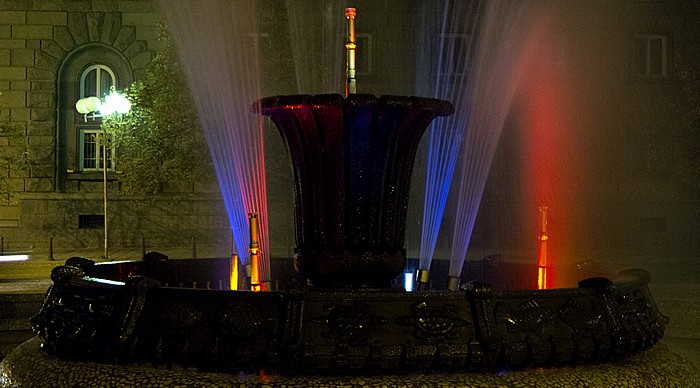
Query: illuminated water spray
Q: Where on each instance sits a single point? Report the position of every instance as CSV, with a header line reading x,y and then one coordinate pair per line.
x,y
452,22
509,36
217,46
482,52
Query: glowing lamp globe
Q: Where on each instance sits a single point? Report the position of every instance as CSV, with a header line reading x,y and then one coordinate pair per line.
x,y
115,103
88,105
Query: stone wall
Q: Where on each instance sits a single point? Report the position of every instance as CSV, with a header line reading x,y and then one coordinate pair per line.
x,y
36,38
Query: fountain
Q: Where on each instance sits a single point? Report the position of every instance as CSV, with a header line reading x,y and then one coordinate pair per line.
x,y
352,159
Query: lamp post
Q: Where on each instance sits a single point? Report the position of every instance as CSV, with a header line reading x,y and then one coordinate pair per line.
x,y
93,108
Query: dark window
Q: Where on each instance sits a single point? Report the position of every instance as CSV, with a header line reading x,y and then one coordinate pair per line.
x,y
91,221
650,53
454,54
364,60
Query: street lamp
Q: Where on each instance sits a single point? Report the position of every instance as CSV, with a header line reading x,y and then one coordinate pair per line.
x,y
92,108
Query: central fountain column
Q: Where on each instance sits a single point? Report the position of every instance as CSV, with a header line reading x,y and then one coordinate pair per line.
x,y
352,160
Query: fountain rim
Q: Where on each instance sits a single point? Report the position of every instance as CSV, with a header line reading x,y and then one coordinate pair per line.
x,y
440,107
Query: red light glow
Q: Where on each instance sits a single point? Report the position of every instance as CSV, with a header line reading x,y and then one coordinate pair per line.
x,y
550,151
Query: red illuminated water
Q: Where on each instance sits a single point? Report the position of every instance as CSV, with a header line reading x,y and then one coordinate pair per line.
x,y
513,69
499,63
528,98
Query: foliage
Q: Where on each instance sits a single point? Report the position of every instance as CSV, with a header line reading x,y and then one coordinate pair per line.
x,y
160,141
13,157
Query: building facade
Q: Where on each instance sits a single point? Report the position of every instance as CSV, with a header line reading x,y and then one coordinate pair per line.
x,y
631,61
53,54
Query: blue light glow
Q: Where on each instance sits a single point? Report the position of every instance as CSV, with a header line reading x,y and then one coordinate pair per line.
x,y
408,281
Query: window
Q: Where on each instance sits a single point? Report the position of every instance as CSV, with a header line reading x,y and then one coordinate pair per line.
x,y
363,54
453,54
91,69
364,58
91,221
91,152
650,55
95,80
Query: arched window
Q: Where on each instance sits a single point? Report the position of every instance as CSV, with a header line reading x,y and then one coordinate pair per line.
x,y
96,80
90,70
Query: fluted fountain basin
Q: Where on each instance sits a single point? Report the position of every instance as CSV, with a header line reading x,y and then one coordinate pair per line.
x,y
352,159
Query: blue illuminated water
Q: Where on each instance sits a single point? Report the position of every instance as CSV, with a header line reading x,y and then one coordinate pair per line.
x,y
217,42
479,50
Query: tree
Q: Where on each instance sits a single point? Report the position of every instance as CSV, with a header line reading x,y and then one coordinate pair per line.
x,y
160,141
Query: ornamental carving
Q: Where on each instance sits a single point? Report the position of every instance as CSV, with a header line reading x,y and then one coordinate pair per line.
x,y
430,321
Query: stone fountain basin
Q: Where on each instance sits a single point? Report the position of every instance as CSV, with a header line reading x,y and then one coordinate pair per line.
x,y
122,312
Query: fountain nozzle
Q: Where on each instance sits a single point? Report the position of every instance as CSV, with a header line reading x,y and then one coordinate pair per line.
x,y
254,249
422,278
233,276
542,262
350,84
453,283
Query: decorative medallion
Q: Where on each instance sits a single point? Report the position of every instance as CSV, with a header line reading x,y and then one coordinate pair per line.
x,y
435,321
529,317
238,319
581,318
178,317
349,323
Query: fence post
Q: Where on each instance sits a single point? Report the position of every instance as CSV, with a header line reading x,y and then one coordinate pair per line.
x,y
194,248
51,249
143,247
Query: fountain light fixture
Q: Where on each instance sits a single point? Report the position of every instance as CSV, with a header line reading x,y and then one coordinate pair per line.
x,y
408,278
93,107
233,277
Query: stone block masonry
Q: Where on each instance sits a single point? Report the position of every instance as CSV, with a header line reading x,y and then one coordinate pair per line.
x,y
37,38
12,17
47,18
32,32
